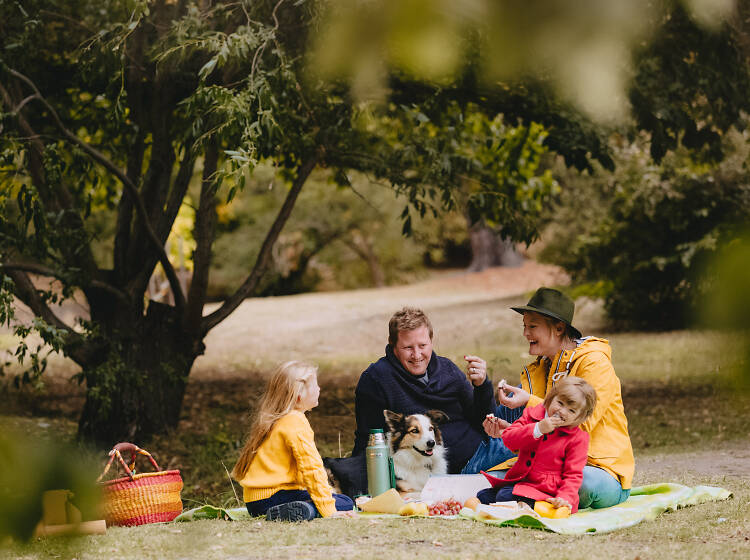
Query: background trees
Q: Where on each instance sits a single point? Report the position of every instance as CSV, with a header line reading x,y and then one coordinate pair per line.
x,y
117,114
110,111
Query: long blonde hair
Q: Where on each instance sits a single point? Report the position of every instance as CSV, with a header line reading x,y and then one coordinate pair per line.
x,y
280,398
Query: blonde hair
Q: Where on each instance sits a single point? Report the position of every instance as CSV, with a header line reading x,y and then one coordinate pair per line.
x,y
284,388
573,390
407,319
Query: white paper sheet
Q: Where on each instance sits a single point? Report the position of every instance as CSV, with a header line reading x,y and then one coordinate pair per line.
x,y
458,486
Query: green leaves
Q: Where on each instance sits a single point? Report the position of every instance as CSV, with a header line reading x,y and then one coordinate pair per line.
x,y
651,229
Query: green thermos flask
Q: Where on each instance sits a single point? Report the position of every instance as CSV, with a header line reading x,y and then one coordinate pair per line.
x,y
379,469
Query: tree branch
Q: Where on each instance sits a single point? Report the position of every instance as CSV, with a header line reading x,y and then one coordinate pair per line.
x,y
58,198
26,291
264,256
125,209
42,270
168,216
75,344
205,227
124,179
177,195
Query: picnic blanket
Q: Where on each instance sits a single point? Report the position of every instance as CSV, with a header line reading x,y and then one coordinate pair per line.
x,y
645,503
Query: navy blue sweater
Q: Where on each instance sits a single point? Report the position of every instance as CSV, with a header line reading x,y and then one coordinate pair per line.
x,y
387,385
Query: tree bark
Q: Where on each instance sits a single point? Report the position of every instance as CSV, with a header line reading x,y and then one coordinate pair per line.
x,y
137,387
489,249
362,246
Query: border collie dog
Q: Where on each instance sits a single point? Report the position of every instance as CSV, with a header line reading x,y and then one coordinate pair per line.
x,y
416,446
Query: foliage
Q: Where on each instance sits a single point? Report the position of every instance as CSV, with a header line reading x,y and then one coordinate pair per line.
x,y
29,469
726,304
318,248
648,230
110,110
585,52
690,85
355,238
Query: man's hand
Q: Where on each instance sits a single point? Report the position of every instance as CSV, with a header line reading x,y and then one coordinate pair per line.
x,y
494,426
476,370
519,398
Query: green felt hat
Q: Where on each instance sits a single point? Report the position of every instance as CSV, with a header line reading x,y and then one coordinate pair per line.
x,y
551,303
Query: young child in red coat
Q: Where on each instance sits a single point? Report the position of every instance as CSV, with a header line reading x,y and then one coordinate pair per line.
x,y
551,447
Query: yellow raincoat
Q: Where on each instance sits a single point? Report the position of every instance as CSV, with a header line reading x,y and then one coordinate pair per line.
x,y
609,446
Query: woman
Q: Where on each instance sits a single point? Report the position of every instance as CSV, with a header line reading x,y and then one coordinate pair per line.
x,y
562,351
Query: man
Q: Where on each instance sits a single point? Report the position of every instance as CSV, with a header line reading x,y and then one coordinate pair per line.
x,y
411,378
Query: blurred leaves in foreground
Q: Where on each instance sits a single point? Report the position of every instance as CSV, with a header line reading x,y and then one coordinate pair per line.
x,y
582,48
27,469
728,303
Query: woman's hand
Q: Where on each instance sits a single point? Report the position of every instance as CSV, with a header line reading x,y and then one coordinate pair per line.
x,y
476,370
494,426
519,398
347,513
559,502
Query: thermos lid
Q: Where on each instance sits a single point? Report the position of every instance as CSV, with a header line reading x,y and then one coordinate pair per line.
x,y
376,431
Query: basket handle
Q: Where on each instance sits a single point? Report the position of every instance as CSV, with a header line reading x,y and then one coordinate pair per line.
x,y
124,448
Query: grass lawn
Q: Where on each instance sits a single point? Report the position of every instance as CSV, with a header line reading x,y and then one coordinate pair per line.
x,y
714,530
688,423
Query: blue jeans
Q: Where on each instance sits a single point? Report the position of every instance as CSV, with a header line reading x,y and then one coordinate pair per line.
x,y
600,489
503,494
259,507
492,451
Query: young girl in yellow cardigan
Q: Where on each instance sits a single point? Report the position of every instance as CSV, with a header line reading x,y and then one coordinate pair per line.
x,y
280,469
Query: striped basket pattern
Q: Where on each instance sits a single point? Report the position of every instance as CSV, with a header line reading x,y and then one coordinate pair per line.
x,y
147,498
142,498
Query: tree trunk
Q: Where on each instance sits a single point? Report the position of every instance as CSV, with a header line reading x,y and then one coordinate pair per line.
x,y
361,245
489,249
137,389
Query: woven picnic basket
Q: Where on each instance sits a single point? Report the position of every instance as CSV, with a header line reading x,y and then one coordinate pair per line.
x,y
136,499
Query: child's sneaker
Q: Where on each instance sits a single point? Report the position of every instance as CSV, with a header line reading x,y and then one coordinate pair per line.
x,y
291,511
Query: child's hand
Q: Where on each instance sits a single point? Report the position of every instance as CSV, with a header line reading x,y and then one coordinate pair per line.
x,y
519,398
550,423
348,513
559,502
494,426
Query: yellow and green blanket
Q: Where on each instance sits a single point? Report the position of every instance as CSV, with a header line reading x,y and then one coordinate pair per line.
x,y
645,503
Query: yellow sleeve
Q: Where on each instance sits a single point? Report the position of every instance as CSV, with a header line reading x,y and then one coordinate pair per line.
x,y
534,400
310,467
599,372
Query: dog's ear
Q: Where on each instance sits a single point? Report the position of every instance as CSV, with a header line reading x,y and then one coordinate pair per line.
x,y
393,419
437,416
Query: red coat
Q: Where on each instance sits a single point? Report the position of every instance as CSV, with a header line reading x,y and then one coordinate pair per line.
x,y
548,467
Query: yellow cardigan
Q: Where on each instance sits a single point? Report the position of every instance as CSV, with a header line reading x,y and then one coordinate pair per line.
x,y
609,446
288,460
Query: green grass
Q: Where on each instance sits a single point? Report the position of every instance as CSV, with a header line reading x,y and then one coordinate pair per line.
x,y
713,530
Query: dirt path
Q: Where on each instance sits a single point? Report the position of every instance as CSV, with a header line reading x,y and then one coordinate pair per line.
x,y
343,326
731,460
